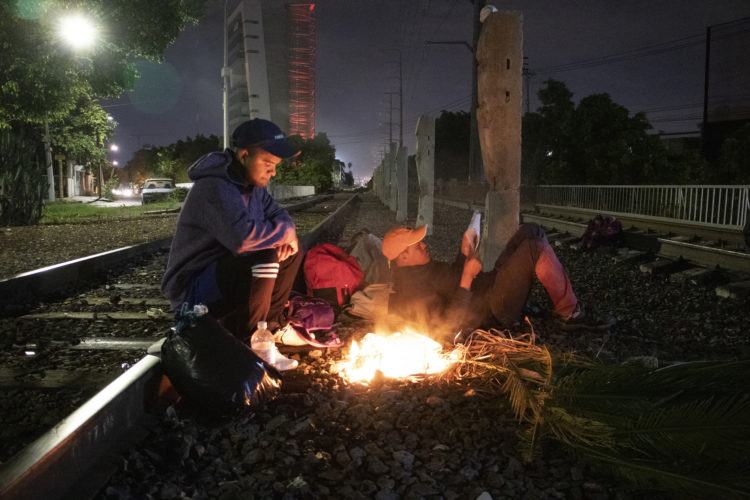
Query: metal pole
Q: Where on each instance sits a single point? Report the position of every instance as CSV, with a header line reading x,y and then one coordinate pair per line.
x,y
704,129
48,161
225,80
400,101
475,156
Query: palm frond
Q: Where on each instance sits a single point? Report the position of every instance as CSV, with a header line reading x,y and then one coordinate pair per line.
x,y
683,427
722,483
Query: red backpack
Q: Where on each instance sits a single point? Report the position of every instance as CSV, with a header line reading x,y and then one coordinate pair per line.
x,y
332,274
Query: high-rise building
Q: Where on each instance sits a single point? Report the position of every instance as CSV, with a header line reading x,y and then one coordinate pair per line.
x,y
302,69
271,61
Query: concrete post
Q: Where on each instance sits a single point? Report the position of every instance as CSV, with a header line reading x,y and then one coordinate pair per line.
x,y
425,159
402,183
393,192
376,180
499,82
387,180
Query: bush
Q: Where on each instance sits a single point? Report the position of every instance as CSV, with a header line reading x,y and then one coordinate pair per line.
x,y
23,180
178,194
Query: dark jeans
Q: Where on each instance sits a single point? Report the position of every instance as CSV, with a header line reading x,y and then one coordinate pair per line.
x,y
253,291
507,287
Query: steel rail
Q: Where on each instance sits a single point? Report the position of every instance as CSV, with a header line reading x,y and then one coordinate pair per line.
x,y
733,237
66,461
22,290
699,255
53,464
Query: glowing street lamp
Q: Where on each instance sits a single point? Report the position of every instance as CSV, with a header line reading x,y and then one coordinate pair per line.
x,y
114,147
78,31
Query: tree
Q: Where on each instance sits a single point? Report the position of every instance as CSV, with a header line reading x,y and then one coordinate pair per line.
x,y
452,131
733,165
82,133
142,165
42,77
596,142
313,167
44,81
173,160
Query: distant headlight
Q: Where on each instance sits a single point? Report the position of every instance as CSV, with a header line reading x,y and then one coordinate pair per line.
x,y
123,192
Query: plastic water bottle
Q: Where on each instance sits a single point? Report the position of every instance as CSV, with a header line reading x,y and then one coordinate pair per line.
x,y
262,343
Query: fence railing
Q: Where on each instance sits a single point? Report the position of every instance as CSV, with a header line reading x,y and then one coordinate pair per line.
x,y
722,206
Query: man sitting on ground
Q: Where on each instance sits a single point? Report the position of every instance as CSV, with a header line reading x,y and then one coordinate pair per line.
x,y
449,298
235,250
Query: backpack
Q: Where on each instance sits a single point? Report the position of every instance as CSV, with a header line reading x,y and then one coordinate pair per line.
x,y
311,322
602,230
367,249
371,302
332,274
310,313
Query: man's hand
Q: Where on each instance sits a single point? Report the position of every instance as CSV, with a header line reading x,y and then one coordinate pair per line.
x,y
287,249
472,267
469,242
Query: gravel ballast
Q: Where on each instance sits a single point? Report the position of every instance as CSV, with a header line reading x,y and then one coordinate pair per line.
x,y
425,439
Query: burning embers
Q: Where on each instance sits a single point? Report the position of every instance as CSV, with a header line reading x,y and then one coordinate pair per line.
x,y
395,355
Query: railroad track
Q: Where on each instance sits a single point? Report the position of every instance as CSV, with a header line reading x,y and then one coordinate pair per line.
x,y
84,355
301,428
684,252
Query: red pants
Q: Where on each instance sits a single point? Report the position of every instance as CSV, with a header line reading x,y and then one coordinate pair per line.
x,y
507,287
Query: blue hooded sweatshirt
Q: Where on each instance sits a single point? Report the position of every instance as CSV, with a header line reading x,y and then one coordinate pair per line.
x,y
222,214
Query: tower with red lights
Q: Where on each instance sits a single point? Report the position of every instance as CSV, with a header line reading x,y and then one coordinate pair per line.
x,y
271,64
302,69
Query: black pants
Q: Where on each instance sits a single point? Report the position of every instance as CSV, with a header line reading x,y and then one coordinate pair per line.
x,y
254,287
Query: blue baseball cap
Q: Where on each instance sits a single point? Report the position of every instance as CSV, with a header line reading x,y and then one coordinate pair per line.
x,y
265,135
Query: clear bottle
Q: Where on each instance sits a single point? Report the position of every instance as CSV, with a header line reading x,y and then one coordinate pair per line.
x,y
262,343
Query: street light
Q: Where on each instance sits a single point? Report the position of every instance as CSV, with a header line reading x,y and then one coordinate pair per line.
x,y
78,31
114,147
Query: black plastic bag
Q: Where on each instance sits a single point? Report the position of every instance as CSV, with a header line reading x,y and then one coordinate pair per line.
x,y
214,370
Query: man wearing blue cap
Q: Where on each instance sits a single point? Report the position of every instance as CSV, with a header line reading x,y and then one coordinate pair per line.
x,y
235,250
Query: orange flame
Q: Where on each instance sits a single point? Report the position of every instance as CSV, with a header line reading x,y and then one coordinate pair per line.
x,y
396,355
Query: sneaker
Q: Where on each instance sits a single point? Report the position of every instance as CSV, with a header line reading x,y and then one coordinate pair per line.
x,y
288,336
580,320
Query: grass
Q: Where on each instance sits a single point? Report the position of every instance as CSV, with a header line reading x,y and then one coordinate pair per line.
x,y
65,212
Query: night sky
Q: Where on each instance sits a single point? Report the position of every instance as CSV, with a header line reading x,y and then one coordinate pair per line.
x,y
359,42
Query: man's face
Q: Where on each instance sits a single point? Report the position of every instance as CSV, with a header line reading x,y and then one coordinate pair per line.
x,y
414,255
260,166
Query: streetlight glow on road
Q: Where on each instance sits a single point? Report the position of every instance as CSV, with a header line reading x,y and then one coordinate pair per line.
x,y
78,31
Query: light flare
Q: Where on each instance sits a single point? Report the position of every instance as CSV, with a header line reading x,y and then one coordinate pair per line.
x,y
395,355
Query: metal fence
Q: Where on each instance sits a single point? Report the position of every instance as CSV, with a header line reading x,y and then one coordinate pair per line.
x,y
722,206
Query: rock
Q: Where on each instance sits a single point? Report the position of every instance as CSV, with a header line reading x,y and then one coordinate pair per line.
x,y
404,458
376,466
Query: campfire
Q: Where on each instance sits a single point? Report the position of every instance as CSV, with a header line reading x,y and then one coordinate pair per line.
x,y
395,355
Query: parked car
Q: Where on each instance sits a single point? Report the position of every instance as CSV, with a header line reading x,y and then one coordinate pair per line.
x,y
156,189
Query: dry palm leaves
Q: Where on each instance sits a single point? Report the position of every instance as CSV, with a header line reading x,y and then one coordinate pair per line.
x,y
684,427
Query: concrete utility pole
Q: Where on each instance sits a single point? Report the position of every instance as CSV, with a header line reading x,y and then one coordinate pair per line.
x,y
425,159
402,181
500,83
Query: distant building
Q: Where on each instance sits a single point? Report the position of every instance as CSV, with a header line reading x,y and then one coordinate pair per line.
x,y
271,60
